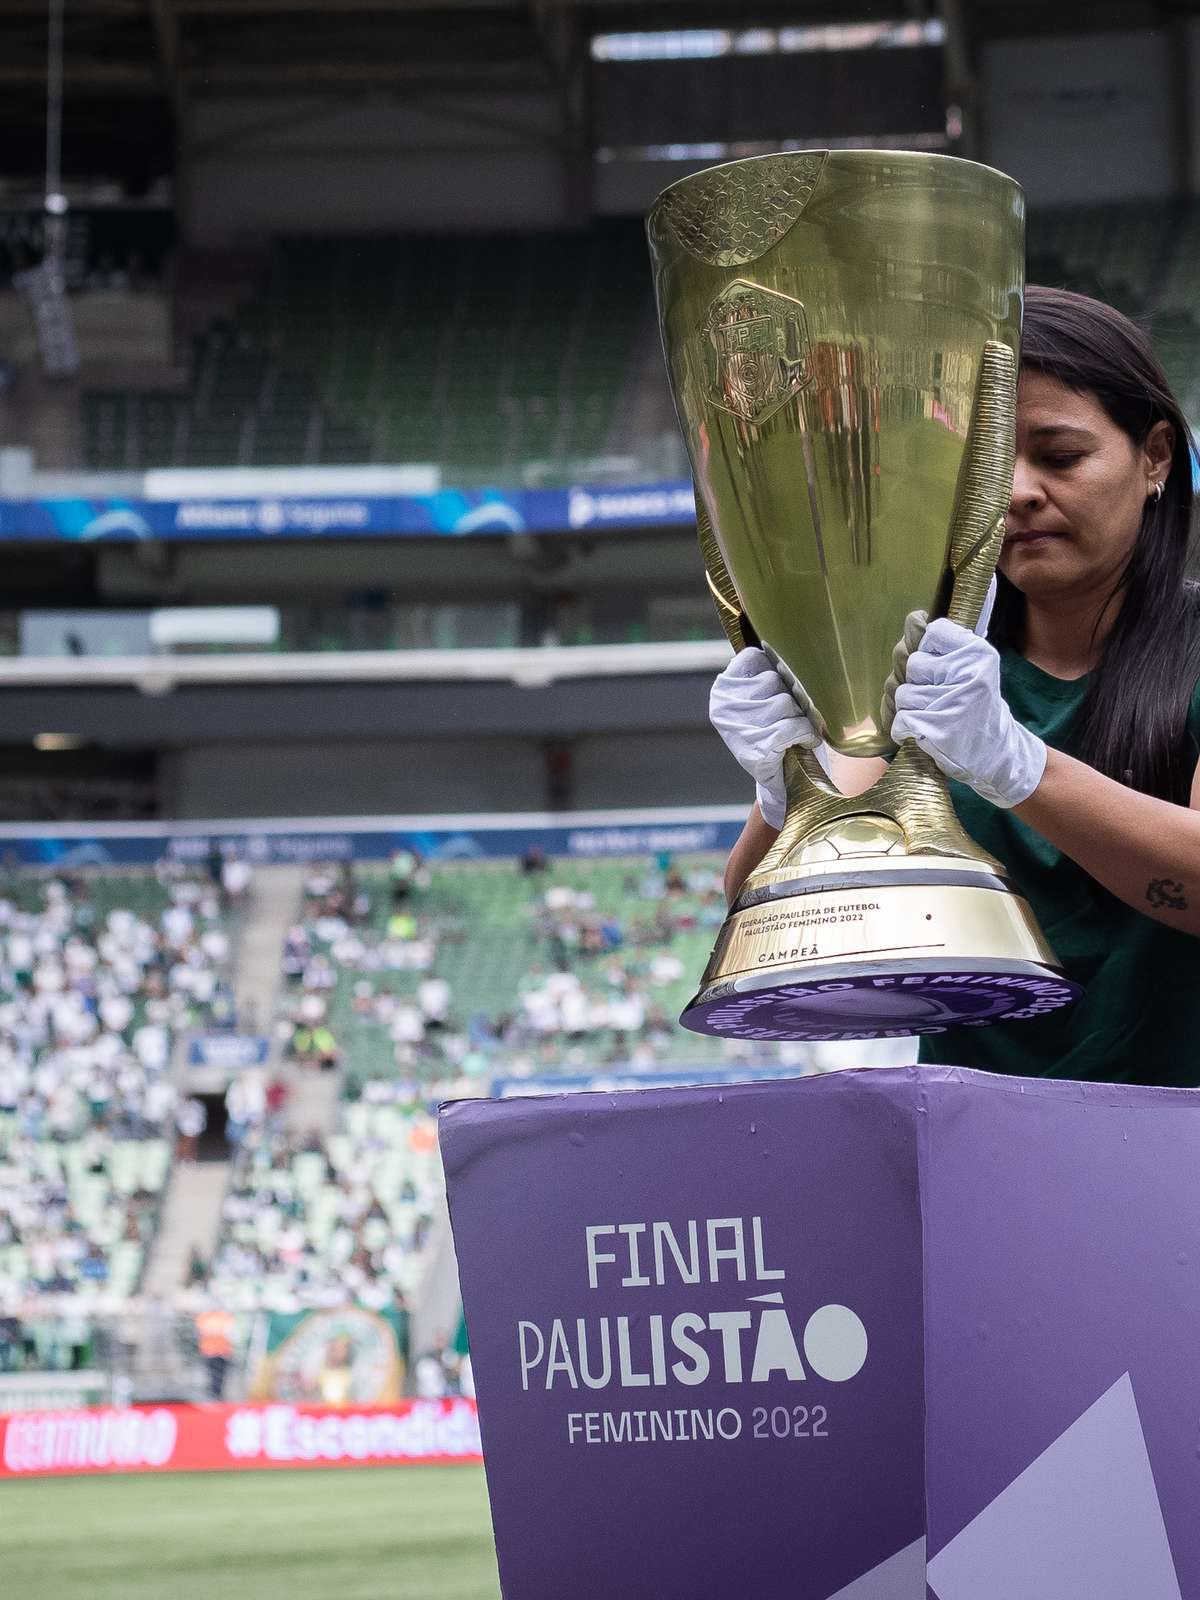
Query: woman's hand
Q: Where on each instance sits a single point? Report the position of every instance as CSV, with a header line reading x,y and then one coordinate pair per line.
x,y
751,708
914,631
951,705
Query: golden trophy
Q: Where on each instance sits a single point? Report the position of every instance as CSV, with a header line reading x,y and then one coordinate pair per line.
x,y
841,332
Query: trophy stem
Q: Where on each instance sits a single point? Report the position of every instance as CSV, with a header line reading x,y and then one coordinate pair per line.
x,y
907,810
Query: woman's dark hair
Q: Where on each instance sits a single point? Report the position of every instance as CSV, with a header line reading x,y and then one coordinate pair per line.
x,y
1133,722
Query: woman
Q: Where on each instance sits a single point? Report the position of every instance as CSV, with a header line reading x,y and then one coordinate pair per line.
x,y
1071,733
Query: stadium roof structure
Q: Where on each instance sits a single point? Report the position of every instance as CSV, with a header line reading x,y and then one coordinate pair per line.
x,y
136,69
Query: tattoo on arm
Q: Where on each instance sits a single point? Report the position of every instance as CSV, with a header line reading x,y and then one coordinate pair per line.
x,y
1166,894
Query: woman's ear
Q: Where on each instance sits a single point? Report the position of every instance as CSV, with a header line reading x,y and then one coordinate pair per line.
x,y
1158,451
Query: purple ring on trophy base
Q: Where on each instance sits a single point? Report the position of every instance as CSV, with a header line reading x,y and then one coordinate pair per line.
x,y
882,999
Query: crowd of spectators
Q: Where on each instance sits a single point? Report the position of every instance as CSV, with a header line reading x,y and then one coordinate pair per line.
x,y
312,1221
89,1001
442,1371
255,1099
598,995
92,991
601,986
419,981
338,934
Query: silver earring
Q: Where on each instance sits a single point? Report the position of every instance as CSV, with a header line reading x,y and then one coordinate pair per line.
x,y
1158,491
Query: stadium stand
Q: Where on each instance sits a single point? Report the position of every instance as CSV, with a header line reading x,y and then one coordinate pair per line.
x,y
489,353
419,980
482,353
1141,257
318,1220
98,975
427,974
1122,249
234,187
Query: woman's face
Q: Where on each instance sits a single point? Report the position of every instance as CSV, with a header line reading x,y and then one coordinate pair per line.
x,y
1079,487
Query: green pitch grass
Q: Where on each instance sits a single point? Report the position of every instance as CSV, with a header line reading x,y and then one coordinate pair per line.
x,y
372,1533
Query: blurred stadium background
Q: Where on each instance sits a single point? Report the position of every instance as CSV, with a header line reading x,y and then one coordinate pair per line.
x,y
354,660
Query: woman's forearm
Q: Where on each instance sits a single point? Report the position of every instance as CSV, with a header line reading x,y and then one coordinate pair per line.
x,y
755,839
1144,850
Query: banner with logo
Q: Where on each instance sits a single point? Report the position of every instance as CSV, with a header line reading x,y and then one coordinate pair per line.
x,y
588,835
224,1437
344,1355
870,1336
229,1052
446,512
695,1325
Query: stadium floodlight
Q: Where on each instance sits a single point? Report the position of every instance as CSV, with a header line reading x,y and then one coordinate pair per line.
x,y
694,44
679,44
714,150
908,35
44,286
173,626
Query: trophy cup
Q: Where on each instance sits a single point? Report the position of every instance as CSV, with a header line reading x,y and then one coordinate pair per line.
x,y
841,332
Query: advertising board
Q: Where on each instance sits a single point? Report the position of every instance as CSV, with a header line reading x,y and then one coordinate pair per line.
x,y
219,1438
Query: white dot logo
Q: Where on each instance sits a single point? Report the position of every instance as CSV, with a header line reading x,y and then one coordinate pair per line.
x,y
835,1343
581,508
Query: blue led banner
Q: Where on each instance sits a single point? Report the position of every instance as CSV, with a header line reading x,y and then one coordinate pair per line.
x,y
451,512
587,835
230,1051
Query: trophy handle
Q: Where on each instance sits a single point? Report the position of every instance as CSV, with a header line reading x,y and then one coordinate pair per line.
x,y
984,484
977,521
720,585
801,766
922,806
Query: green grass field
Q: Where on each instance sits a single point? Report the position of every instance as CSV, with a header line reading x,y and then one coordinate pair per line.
x,y
376,1533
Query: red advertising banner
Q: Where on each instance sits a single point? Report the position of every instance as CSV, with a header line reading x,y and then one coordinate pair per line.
x,y
224,1437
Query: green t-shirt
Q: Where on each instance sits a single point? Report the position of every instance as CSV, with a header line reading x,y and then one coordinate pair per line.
x,y
1138,1020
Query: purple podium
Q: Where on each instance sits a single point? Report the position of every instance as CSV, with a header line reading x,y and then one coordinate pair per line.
x,y
879,1335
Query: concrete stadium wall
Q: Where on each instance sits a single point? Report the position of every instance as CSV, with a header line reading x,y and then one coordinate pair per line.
x,y
356,776
326,166
329,714
1075,117
1082,119
656,769
369,776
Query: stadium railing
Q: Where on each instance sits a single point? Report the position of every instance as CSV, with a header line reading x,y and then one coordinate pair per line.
x,y
533,665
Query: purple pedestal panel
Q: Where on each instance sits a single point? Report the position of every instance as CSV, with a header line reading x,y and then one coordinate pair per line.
x,y
791,1339
1062,1315
695,1323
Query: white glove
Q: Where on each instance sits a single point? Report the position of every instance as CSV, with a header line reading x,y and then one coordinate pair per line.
x,y
752,710
756,715
914,631
952,706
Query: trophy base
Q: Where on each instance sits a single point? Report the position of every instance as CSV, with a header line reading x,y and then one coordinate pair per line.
x,y
917,947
